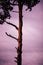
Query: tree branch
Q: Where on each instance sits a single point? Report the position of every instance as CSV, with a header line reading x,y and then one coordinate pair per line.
x,y
16,58
12,24
15,11
11,36
16,61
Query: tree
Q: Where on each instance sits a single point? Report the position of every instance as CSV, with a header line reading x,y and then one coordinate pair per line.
x,y
7,6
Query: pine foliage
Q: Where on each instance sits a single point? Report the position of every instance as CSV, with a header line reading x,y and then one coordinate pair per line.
x,y
7,6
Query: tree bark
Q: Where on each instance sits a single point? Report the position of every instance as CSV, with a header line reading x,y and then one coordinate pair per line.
x,y
19,49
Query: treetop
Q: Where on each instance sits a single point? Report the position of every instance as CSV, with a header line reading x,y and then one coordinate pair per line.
x,y
7,6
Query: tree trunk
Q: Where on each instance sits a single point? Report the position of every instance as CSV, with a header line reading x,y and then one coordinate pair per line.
x,y
19,50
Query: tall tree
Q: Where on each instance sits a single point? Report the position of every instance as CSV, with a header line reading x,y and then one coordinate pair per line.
x,y
7,6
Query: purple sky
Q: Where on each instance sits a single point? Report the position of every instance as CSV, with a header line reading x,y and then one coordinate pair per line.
x,y
32,30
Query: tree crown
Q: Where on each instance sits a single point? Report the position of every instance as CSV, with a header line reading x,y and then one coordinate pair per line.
x,y
7,6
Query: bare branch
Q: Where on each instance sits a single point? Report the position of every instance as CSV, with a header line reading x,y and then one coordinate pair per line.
x,y
15,11
16,58
12,24
16,48
16,61
11,36
28,8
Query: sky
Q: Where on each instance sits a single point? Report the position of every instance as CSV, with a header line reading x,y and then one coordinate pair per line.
x,y
32,30
32,37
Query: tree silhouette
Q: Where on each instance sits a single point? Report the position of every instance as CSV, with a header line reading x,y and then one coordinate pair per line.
x,y
7,6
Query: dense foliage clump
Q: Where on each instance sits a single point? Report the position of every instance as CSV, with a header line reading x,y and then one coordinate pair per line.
x,y
7,5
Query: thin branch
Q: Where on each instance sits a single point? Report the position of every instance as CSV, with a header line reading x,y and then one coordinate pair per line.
x,y
12,24
16,61
16,58
15,11
16,48
29,9
11,36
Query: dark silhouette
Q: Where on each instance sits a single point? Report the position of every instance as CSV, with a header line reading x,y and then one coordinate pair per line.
x,y
6,6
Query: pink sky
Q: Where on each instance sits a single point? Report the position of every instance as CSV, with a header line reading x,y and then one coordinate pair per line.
x,y
32,30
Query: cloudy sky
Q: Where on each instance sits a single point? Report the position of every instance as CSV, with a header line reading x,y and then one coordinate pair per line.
x,y
32,37
32,30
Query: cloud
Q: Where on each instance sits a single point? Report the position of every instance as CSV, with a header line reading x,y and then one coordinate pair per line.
x,y
2,61
40,62
41,1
